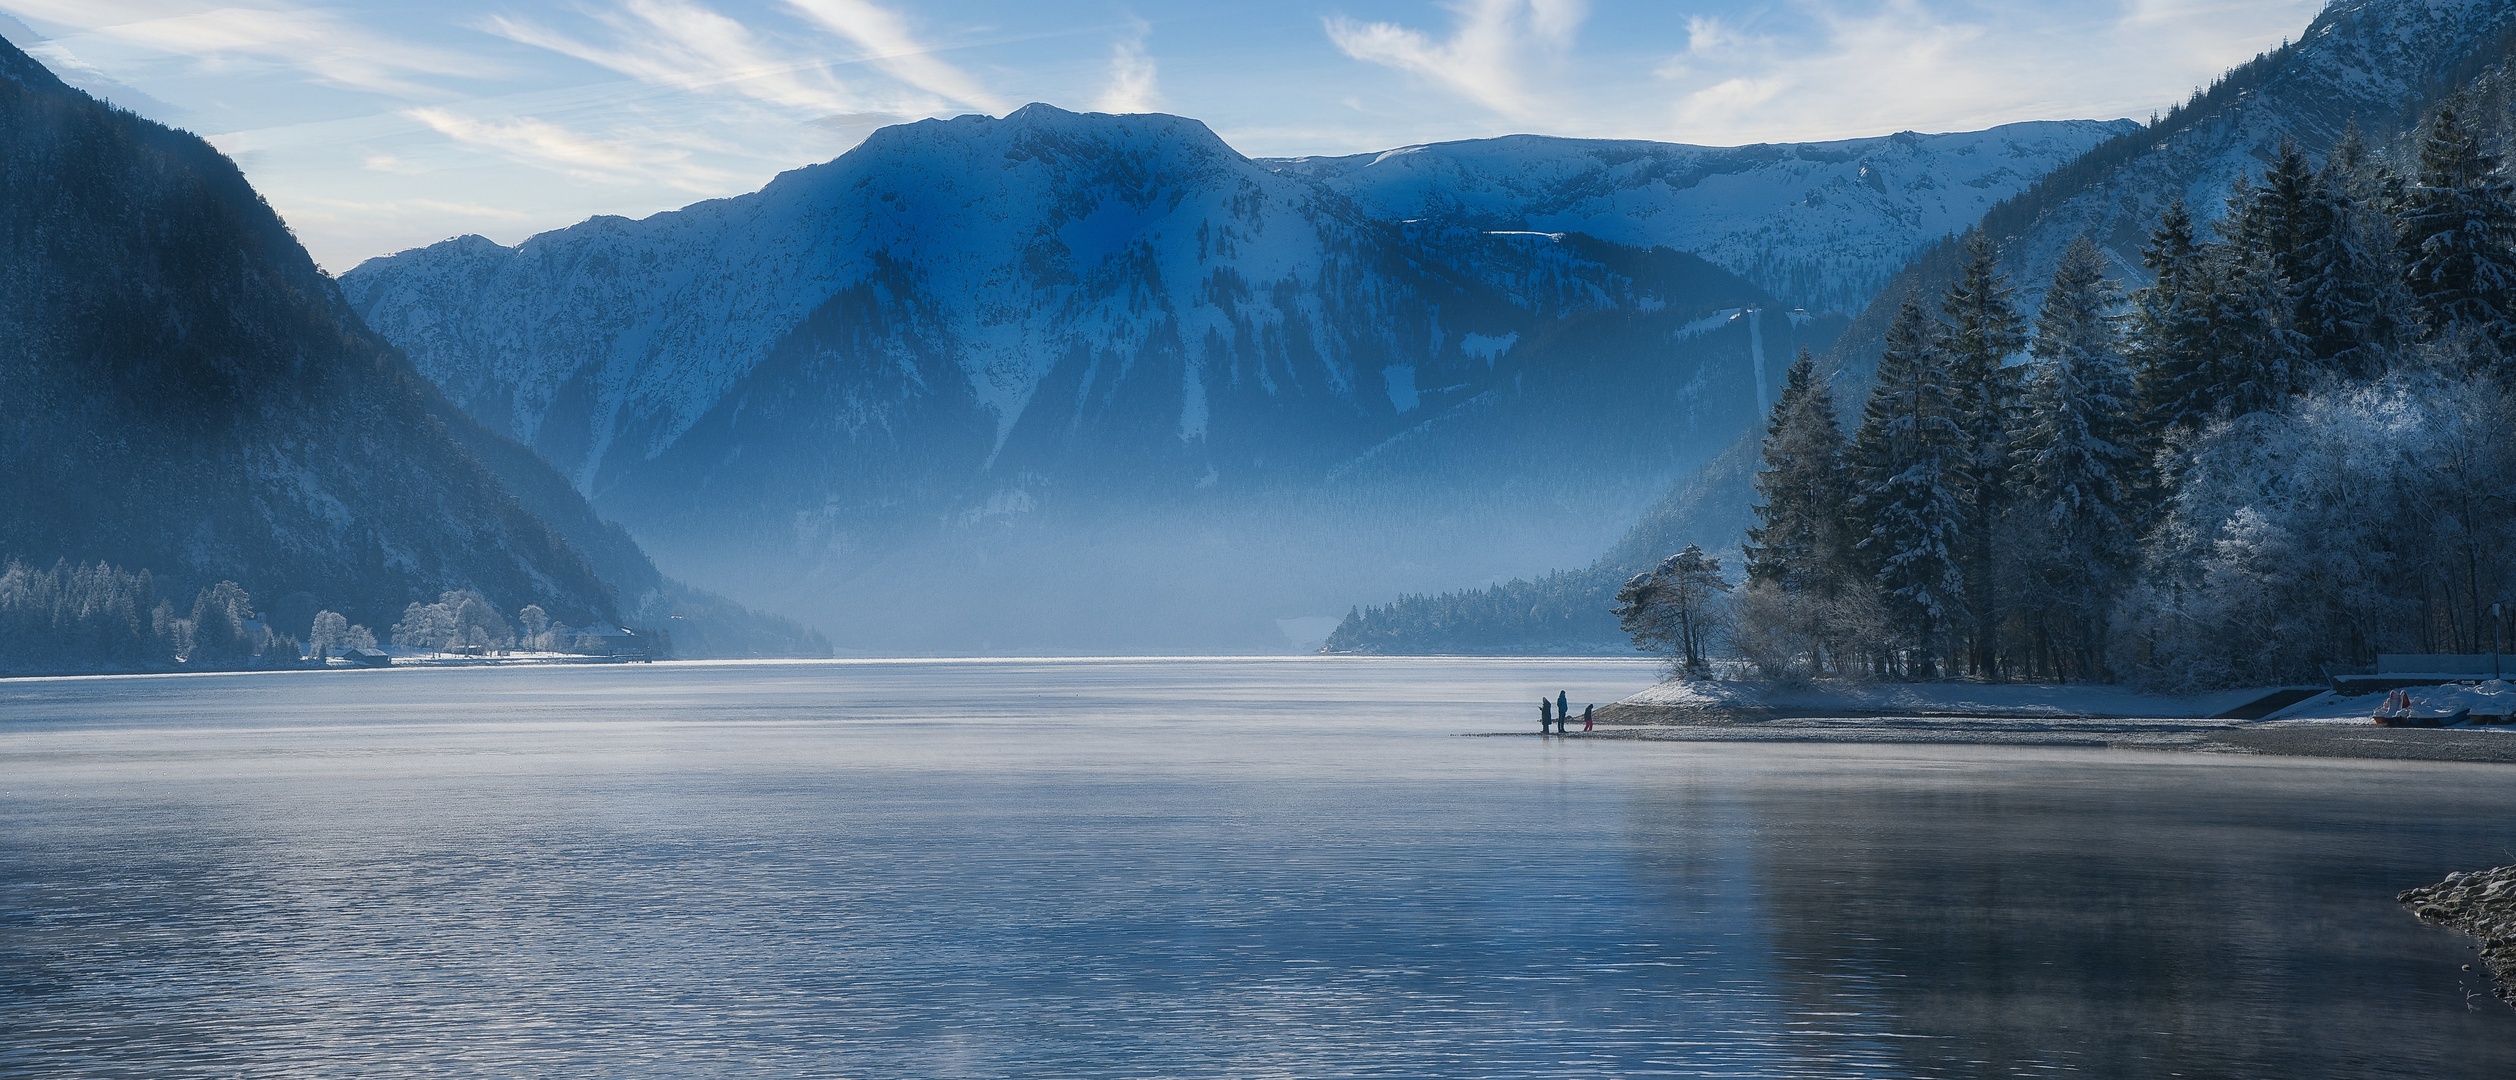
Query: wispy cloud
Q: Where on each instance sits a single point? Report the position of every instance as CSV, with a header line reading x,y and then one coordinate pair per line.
x,y
545,145
1484,56
1823,69
1133,85
1935,65
885,35
689,47
318,43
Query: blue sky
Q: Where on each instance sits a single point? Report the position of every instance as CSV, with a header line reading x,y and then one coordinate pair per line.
x,y
377,126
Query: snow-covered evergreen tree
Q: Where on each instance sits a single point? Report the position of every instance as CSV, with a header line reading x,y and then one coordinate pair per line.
x,y
1806,605
1909,447
1799,538
1984,330
2458,234
2170,330
2350,304
2248,352
2081,470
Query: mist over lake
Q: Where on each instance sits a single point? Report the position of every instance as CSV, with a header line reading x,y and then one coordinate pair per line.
x,y
1294,867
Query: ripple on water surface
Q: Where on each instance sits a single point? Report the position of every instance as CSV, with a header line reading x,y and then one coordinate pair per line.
x,y
1179,868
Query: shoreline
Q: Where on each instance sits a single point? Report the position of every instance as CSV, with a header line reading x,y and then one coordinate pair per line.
x,y
2364,741
2291,721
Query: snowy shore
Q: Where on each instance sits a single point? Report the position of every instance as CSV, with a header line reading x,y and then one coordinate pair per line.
x,y
2323,725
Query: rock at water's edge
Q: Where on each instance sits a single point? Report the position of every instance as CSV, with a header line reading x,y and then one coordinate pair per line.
x,y
2482,904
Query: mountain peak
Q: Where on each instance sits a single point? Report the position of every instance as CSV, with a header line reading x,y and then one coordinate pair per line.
x,y
1043,130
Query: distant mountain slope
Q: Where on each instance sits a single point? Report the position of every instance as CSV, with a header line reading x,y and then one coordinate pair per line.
x,y
1086,383
184,391
1818,225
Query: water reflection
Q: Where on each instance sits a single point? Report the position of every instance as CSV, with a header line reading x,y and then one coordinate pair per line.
x,y
1175,869
2009,914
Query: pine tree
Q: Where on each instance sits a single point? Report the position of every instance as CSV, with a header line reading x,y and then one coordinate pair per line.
x,y
2170,333
1983,332
2458,225
2350,304
2081,468
1799,540
1911,516
2278,222
2239,352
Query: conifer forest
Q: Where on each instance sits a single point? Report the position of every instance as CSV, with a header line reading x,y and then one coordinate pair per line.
x,y
2289,453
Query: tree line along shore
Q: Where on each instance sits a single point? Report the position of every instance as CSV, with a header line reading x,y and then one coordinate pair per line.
x,y
99,618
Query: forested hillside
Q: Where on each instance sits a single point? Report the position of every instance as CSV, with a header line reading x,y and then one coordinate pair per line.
x,y
187,402
2289,451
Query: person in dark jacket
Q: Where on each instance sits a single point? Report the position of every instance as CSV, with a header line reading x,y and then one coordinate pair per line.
x,y
1585,716
1563,708
1546,717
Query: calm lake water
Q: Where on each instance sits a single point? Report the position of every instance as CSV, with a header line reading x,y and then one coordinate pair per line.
x,y
1181,868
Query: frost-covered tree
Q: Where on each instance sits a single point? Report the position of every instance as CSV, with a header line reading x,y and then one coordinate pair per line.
x,y
91,617
2079,466
2458,236
331,629
1676,609
458,618
1909,448
2364,517
424,627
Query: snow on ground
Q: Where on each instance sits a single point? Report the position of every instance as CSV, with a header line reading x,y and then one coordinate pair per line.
x,y
2494,698
1944,698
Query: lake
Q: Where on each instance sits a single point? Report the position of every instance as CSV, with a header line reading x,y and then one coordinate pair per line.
x,y
1181,868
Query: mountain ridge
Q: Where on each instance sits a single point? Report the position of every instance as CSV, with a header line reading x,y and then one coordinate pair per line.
x,y
1821,225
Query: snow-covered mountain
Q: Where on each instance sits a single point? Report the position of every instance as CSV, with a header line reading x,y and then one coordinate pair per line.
x,y
991,374
1820,225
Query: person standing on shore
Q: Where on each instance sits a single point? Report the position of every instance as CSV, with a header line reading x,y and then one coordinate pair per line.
x,y
1546,717
1585,716
1563,712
